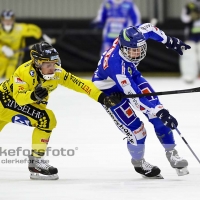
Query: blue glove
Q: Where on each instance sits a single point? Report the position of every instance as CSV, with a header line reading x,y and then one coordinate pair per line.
x,y
167,119
176,44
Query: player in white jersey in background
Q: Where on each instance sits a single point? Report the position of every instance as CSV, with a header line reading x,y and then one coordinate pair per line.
x,y
113,16
190,61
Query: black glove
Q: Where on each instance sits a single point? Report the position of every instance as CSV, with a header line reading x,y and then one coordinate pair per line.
x,y
39,94
176,44
109,101
118,95
167,119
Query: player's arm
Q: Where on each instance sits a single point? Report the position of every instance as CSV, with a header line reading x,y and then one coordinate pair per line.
x,y
1,44
185,14
21,91
142,103
6,50
100,19
135,15
126,85
86,87
24,95
32,30
151,32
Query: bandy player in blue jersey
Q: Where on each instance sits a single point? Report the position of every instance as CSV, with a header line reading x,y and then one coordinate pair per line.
x,y
113,16
117,74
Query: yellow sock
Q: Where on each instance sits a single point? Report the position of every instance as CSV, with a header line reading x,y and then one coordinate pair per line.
x,y
40,141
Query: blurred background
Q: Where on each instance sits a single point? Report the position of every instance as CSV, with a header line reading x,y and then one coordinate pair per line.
x,y
79,44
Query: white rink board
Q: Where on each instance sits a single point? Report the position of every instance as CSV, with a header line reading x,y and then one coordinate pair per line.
x,y
101,168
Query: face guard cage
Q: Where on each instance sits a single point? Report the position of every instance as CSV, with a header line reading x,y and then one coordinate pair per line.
x,y
135,55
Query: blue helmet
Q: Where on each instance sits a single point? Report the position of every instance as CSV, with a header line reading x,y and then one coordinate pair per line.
x,y
132,44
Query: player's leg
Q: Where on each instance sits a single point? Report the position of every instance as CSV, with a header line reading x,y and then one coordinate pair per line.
x,y
44,122
189,63
166,138
164,134
137,153
145,87
40,138
128,123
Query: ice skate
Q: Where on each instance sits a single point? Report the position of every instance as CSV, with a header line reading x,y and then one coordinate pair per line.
x,y
146,169
41,170
178,163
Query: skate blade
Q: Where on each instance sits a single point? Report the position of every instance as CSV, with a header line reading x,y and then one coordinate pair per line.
x,y
182,172
159,176
37,176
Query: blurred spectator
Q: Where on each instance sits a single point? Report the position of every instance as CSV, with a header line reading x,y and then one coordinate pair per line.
x,y
113,16
12,41
189,62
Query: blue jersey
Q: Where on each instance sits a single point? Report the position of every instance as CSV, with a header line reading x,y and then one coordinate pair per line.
x,y
117,74
116,16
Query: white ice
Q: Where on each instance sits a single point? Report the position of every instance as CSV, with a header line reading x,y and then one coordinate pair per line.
x,y
101,167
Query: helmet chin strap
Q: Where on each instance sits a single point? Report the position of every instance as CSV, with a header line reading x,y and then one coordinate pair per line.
x,y
47,76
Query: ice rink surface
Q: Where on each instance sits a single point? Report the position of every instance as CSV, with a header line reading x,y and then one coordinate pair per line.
x,y
100,168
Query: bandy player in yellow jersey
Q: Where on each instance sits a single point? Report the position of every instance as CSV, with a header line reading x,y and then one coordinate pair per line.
x,y
23,99
12,39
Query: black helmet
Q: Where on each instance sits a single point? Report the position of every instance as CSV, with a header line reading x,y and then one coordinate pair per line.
x,y
43,52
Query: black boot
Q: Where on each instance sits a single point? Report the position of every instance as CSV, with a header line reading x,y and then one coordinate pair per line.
x,y
38,166
146,169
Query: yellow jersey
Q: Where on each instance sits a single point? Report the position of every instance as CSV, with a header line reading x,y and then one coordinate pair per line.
x,y
16,38
26,78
